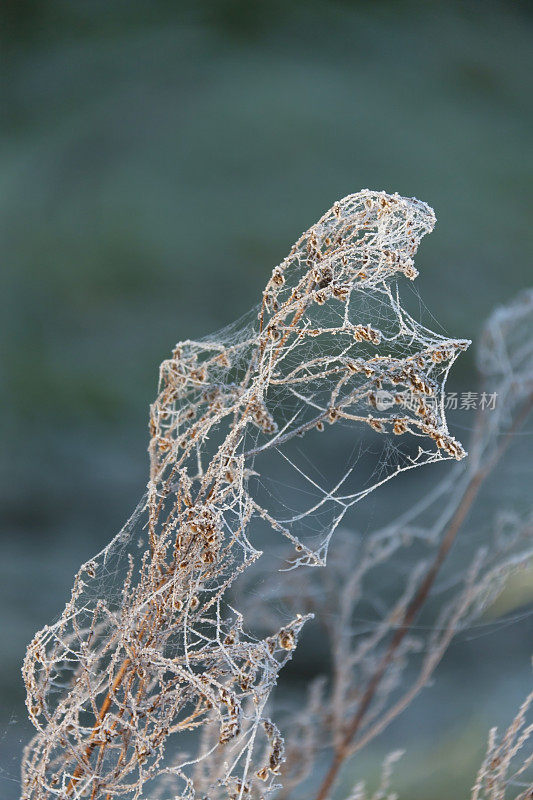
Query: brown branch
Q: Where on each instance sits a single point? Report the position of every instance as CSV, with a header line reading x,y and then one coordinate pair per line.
x,y
415,606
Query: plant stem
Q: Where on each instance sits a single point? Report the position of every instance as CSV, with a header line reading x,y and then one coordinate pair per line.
x,y
416,604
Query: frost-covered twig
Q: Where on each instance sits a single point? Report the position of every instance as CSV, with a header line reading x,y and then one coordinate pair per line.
x,y
508,763
377,584
147,650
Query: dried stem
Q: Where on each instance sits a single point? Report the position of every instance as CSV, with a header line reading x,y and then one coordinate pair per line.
x,y
148,646
415,606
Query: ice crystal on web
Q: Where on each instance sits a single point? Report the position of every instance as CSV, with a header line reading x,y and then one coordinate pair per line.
x,y
149,684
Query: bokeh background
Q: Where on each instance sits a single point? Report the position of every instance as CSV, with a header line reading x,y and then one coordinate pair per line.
x,y
156,160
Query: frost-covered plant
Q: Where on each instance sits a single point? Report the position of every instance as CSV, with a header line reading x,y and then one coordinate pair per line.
x,y
508,764
149,684
391,601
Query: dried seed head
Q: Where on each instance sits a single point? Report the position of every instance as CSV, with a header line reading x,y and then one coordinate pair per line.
x,y
286,639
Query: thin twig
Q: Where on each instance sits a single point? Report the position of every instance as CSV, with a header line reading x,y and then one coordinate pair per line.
x,y
412,611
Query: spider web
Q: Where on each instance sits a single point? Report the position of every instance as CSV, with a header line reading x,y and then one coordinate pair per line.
x,y
148,652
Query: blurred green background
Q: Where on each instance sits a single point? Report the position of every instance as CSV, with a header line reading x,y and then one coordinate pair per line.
x,y
156,160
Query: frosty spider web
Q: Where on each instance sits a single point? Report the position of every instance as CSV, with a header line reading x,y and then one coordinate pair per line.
x,y
147,653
